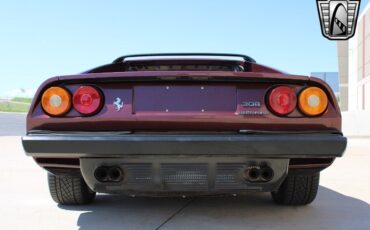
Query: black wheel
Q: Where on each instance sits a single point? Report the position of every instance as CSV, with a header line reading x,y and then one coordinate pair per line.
x,y
69,190
297,189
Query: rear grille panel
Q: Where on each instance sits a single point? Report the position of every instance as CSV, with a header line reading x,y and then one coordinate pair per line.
x,y
165,175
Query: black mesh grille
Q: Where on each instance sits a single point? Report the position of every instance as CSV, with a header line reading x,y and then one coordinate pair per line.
x,y
184,176
228,176
137,174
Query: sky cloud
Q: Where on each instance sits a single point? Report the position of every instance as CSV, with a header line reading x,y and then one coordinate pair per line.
x,y
28,93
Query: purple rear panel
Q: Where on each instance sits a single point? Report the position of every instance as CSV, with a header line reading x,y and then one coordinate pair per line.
x,y
182,106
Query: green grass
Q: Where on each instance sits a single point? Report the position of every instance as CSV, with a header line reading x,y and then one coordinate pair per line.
x,y
16,104
22,99
13,107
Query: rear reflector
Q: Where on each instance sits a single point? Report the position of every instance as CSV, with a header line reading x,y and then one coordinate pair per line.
x,y
313,101
87,100
282,100
56,101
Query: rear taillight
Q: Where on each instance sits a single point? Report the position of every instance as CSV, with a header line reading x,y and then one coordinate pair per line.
x,y
87,100
282,100
56,101
313,101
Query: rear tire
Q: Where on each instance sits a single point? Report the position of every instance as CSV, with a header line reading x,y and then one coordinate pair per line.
x,y
69,190
297,189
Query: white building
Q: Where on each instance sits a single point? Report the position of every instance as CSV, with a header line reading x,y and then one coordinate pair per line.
x,y
354,78
354,67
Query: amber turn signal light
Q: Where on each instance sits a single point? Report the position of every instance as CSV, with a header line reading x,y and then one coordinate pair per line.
x,y
313,101
56,101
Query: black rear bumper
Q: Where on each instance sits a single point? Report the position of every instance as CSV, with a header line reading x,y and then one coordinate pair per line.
x,y
274,145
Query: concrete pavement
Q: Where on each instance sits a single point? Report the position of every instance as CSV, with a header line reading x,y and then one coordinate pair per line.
x,y
342,202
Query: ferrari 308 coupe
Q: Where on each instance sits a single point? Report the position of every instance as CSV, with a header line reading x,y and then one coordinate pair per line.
x,y
184,124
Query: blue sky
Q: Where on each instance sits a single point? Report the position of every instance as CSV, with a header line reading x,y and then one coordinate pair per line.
x,y
41,39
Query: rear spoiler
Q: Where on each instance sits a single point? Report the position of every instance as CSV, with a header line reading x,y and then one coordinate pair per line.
x,y
244,57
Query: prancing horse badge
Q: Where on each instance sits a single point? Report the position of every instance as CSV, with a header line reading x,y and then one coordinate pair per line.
x,y
118,104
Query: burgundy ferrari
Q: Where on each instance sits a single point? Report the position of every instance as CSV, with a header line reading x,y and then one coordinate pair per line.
x,y
184,124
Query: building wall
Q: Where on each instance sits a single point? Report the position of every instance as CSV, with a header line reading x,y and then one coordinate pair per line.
x,y
354,76
355,88
342,47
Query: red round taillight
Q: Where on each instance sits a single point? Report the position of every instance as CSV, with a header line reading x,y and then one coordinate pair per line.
x,y
87,100
282,100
